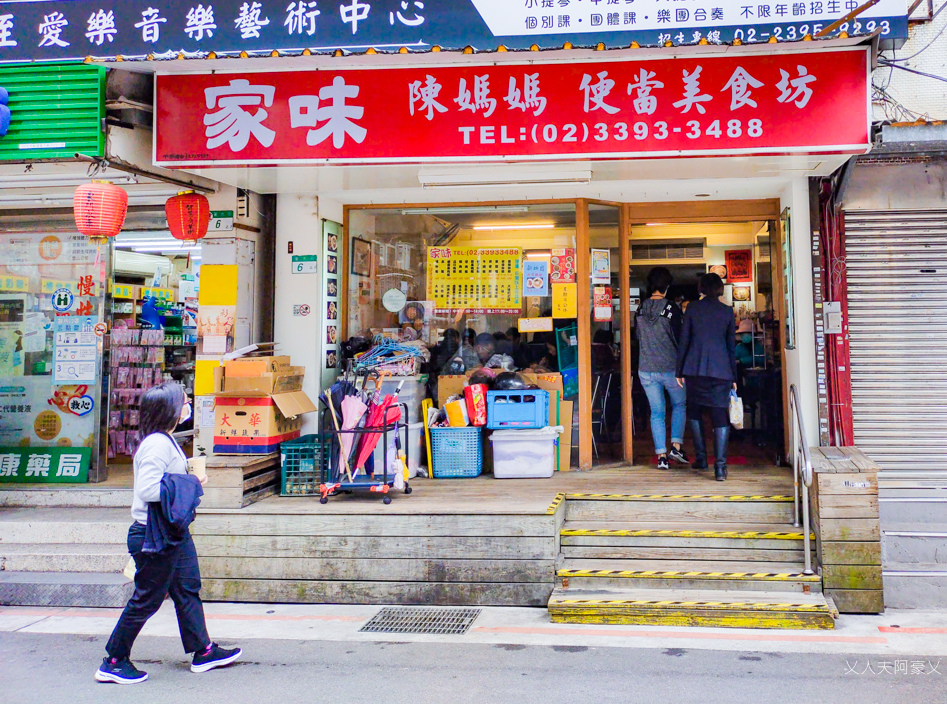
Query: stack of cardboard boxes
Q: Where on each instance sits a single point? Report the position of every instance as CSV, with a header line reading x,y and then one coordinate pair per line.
x,y
258,404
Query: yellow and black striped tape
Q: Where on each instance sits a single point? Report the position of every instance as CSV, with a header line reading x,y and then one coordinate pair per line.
x,y
680,497
680,574
728,605
648,532
560,497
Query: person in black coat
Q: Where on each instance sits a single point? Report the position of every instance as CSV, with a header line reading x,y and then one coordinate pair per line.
x,y
707,368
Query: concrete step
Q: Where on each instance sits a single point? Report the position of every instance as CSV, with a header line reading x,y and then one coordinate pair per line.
x,y
919,505
914,543
64,525
52,557
74,496
87,589
686,575
749,542
698,508
915,585
707,607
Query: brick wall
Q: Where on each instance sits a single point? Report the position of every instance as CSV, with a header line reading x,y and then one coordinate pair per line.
x,y
925,97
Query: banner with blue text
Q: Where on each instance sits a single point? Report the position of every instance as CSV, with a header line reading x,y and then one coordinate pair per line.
x,y
49,30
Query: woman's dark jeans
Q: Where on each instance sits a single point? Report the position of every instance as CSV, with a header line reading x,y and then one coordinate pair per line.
x,y
173,571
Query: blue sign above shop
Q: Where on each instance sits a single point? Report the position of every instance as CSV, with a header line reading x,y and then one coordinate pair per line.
x,y
56,30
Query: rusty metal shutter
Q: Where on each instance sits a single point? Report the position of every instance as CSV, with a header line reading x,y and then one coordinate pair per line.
x,y
897,309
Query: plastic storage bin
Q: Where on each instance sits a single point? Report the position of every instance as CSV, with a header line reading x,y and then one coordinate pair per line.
x,y
517,409
458,452
412,442
301,462
525,454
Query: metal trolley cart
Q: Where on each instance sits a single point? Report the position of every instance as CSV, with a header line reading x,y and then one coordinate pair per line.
x,y
338,476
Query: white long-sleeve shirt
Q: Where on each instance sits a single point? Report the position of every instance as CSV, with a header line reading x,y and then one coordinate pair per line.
x,y
158,454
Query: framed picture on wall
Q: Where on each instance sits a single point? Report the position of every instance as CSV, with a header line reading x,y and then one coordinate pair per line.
x,y
361,257
740,266
718,269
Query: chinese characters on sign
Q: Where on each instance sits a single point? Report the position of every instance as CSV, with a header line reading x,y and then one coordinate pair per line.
x,y
751,104
55,30
44,464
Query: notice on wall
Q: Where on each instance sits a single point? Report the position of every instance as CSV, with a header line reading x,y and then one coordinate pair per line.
x,y
562,263
525,325
565,301
601,266
535,278
75,349
475,280
602,304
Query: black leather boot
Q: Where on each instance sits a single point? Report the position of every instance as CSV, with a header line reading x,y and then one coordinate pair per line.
x,y
721,439
700,449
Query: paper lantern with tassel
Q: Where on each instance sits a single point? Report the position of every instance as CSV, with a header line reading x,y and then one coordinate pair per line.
x,y
188,215
99,209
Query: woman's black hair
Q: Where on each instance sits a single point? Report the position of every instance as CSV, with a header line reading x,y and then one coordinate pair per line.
x,y
160,408
659,279
710,285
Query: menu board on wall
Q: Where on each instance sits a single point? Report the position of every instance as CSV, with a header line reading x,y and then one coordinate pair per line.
x,y
475,280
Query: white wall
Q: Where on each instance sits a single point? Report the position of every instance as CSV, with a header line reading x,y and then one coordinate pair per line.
x,y
801,362
298,221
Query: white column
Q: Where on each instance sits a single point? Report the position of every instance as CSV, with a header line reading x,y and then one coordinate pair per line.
x,y
298,221
801,362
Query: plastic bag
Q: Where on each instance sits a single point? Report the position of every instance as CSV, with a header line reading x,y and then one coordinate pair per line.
x,y
736,410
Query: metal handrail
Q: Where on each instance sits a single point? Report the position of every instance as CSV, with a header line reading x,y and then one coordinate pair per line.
x,y
800,488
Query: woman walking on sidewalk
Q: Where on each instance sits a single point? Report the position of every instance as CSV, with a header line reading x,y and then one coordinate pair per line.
x,y
706,358
173,569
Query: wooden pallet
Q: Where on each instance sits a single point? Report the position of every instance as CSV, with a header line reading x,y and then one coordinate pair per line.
x,y
844,504
235,482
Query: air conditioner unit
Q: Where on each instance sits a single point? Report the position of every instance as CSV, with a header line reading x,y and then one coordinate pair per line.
x,y
140,264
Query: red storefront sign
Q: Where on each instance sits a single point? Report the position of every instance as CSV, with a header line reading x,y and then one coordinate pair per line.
x,y
815,102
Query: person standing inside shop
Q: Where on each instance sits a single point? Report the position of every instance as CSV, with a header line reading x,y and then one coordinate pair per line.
x,y
172,570
707,367
658,324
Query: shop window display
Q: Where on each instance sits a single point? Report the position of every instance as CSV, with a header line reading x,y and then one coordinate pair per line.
x,y
459,285
52,293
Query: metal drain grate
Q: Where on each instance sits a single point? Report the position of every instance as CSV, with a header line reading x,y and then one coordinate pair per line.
x,y
428,621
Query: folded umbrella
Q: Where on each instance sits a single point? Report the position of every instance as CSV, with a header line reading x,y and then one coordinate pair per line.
x,y
353,408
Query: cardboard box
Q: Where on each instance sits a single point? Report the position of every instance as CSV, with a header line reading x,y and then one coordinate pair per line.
x,y
449,385
278,382
256,366
246,425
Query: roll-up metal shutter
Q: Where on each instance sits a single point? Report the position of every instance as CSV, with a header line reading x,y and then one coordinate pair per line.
x,y
897,310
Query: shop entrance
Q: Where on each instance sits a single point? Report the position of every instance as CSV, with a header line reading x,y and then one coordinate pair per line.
x,y
741,254
546,322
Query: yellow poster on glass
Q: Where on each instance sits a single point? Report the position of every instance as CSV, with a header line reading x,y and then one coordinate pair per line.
x,y
565,301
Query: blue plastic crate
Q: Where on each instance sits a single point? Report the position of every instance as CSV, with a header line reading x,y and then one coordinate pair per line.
x,y
458,452
517,409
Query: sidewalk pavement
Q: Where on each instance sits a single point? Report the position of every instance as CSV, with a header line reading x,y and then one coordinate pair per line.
x,y
894,633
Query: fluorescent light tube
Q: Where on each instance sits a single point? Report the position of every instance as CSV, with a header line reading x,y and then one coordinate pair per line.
x,y
536,226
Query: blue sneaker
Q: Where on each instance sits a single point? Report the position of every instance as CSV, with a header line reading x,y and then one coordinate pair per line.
x,y
119,672
214,656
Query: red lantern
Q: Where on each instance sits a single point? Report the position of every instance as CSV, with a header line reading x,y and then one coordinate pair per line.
x,y
99,208
188,215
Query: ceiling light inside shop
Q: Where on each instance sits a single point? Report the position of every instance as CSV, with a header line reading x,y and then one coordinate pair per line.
x,y
525,226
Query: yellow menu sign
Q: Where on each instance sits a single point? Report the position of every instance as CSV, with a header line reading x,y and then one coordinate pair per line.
x,y
475,279
565,301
